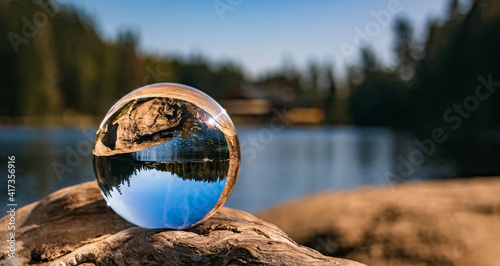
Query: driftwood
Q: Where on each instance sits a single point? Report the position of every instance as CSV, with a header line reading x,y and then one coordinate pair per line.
x,y
73,226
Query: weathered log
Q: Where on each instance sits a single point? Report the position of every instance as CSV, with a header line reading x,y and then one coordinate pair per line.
x,y
74,226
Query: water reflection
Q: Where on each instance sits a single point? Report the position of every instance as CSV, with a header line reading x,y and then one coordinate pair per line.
x,y
298,161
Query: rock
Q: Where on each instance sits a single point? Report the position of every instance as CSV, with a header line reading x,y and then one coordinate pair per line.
x,y
453,222
74,226
141,124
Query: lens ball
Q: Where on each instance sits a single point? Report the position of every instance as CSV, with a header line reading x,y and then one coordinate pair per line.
x,y
166,156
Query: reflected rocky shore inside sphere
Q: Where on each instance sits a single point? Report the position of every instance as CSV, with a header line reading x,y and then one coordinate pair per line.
x,y
166,156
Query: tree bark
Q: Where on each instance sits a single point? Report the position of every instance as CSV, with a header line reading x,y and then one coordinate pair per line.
x,y
74,226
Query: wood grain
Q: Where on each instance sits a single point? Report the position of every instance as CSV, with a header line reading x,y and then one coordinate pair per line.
x,y
74,226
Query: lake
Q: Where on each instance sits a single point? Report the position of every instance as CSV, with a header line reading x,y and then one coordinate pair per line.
x,y
277,165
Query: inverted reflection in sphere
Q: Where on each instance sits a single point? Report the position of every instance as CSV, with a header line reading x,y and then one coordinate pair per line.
x,y
166,156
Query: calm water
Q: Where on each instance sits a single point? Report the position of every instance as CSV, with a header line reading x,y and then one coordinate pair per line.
x,y
276,166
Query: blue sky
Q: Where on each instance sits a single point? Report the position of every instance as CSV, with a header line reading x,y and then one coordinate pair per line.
x,y
262,35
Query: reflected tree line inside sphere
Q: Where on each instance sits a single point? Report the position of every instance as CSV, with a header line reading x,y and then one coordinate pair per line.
x,y
116,171
163,134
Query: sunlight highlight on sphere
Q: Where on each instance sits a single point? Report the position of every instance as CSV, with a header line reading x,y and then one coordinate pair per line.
x,y
166,156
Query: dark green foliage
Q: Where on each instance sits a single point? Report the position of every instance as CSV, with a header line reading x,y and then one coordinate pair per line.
x,y
379,101
457,53
417,93
64,67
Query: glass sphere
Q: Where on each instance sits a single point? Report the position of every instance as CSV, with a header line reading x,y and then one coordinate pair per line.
x,y
166,156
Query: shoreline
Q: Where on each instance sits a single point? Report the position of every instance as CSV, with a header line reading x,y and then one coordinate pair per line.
x,y
67,121
443,222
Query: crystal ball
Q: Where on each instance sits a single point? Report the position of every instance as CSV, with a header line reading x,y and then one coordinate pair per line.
x,y
166,156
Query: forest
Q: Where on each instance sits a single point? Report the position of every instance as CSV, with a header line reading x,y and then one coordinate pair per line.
x,y
54,63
